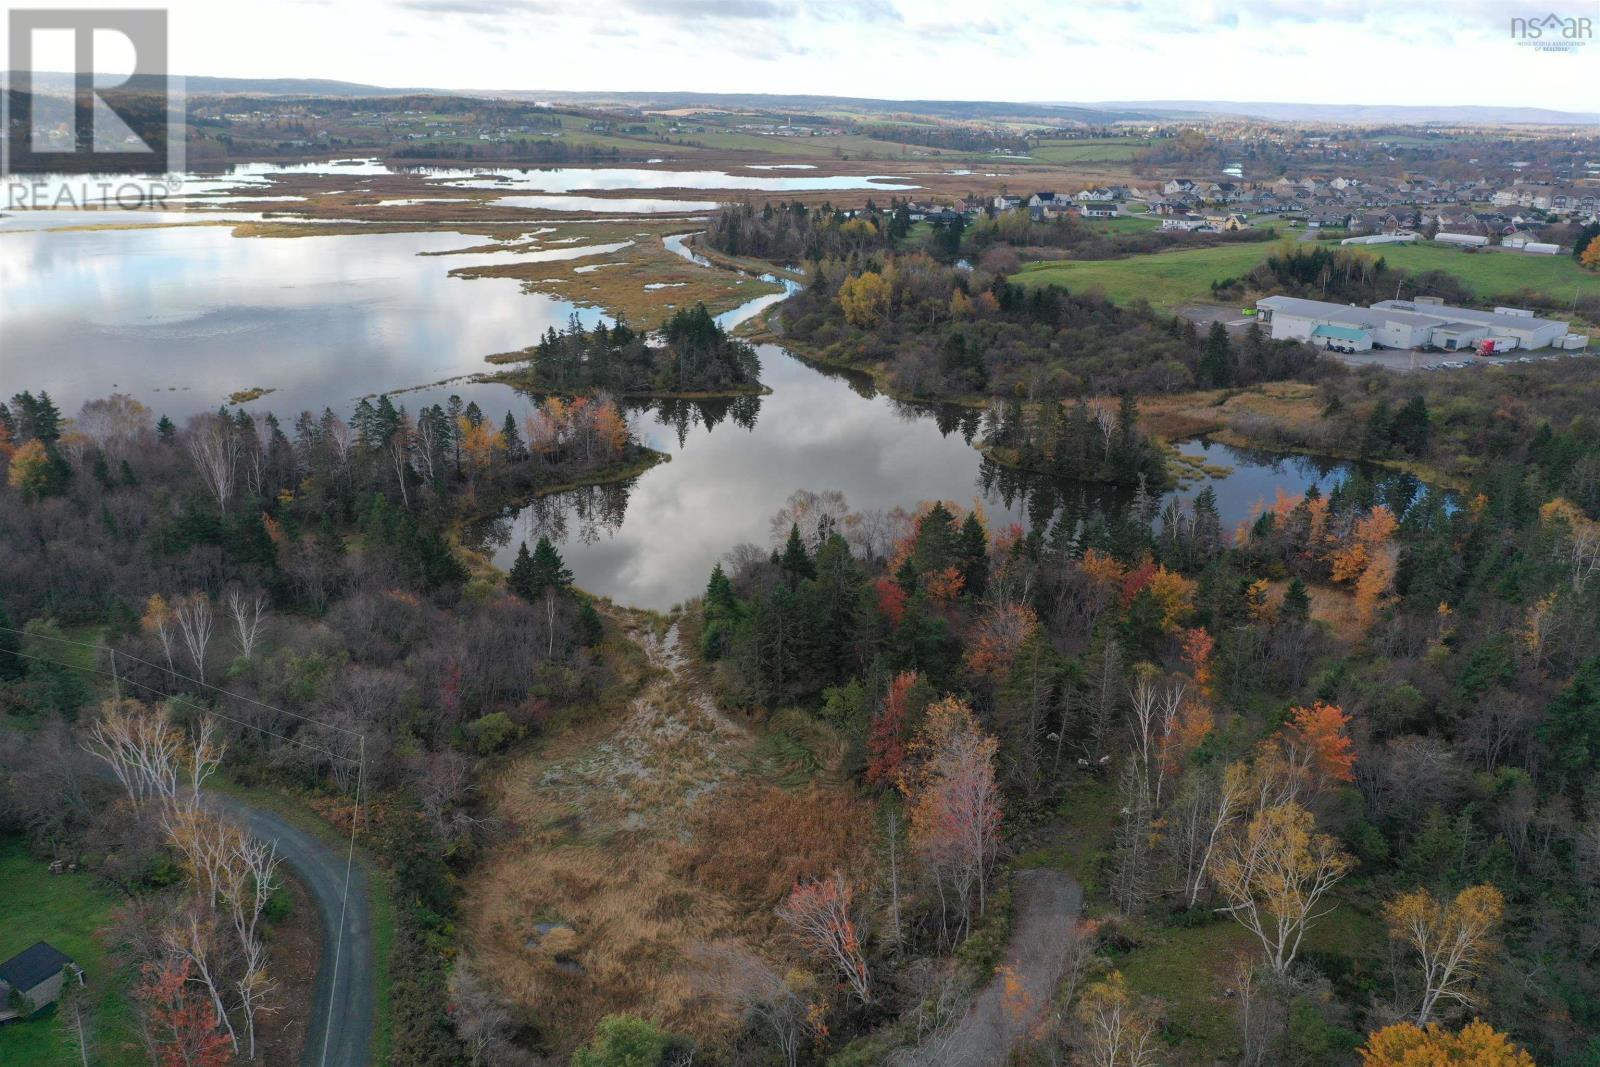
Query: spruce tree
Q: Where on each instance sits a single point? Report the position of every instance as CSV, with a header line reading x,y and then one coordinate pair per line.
x,y
589,630
520,580
795,562
974,556
549,573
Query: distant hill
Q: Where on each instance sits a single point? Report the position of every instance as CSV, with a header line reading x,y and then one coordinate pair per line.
x,y
1363,114
61,82
1094,113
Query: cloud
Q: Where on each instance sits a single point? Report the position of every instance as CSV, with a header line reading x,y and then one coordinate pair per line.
x,y
712,9
481,8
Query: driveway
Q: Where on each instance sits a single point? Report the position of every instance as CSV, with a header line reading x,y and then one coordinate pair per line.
x,y
346,985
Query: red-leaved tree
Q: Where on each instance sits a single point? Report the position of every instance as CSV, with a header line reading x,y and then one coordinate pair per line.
x,y
179,1019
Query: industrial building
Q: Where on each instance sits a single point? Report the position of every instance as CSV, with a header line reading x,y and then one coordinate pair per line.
x,y
1422,323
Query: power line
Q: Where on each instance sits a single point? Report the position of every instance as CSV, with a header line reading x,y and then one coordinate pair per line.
x,y
182,677
360,761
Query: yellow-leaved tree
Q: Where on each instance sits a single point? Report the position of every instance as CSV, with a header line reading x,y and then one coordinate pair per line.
x,y
1476,1045
1591,255
1274,874
1451,940
864,299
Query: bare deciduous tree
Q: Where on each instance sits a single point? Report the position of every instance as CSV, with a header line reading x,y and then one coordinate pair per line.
x,y
214,447
197,623
249,613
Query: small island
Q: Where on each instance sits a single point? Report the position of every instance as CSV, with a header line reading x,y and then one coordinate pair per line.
x,y
690,357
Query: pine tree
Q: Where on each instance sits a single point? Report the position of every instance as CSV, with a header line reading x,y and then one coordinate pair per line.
x,y
166,430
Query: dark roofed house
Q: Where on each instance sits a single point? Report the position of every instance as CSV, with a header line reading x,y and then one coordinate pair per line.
x,y
31,980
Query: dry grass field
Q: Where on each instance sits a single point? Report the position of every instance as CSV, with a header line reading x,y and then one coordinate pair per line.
x,y
629,839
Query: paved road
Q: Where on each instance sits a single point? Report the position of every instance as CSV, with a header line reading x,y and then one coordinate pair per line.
x,y
351,996
1005,1011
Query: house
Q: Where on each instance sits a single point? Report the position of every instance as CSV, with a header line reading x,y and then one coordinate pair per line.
x,y
1187,223
1099,209
1178,185
1048,205
31,980
1004,203
1227,223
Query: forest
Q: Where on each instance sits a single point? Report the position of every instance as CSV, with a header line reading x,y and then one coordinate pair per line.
x,y
1317,788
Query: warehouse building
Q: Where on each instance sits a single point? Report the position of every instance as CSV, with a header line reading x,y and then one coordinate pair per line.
x,y
1403,324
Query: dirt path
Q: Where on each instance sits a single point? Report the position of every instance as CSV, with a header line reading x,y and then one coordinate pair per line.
x,y
1046,907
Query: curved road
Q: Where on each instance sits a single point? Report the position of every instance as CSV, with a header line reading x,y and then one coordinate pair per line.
x,y
346,999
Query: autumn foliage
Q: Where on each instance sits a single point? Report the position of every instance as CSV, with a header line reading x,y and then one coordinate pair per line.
x,y
1476,1045
1319,737
180,1022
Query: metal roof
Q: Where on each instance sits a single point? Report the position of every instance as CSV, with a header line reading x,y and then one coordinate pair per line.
x,y
1488,318
1344,333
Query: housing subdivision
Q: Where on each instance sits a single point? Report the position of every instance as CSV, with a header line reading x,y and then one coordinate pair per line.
x,y
1424,324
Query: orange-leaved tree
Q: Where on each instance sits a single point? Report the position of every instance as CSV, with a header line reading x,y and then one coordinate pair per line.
x,y
821,916
955,804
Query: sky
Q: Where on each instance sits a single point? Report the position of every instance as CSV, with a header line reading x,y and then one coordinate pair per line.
x,y
1314,51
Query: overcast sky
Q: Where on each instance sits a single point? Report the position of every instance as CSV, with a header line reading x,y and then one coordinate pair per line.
x,y
1320,51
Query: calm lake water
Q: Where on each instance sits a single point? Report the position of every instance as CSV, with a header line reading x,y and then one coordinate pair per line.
x,y
181,317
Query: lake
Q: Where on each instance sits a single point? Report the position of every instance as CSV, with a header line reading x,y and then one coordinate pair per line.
x,y
182,316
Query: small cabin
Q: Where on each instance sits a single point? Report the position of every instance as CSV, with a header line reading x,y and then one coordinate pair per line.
x,y
31,980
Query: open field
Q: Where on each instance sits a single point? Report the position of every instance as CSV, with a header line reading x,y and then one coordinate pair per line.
x,y
1124,224
1112,150
1502,272
1165,279
72,913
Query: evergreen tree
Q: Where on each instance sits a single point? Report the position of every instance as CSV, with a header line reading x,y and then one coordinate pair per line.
x,y
515,449
974,557
1216,361
1296,602
11,665
166,430
549,572
588,630
1411,427
520,580
794,561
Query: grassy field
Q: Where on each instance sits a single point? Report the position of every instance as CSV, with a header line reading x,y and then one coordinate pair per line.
x,y
1115,150
70,912
1490,274
1166,279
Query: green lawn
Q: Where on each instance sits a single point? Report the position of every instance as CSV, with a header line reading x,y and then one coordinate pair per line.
x,y
1124,224
1490,274
1166,279
70,912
